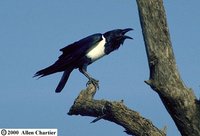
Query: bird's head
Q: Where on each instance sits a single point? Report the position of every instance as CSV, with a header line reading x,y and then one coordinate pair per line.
x,y
117,36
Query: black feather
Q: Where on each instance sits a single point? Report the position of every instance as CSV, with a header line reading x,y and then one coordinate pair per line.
x,y
63,80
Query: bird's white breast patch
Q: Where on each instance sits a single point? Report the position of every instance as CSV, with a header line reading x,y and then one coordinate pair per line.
x,y
98,51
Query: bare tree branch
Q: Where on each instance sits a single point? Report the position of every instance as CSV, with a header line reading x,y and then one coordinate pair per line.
x,y
180,101
164,79
116,112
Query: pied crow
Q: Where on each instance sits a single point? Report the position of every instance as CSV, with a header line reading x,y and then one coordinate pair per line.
x,y
84,52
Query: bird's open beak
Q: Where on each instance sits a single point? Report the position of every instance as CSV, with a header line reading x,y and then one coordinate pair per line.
x,y
125,31
127,37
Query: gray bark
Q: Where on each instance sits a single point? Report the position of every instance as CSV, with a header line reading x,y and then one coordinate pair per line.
x,y
116,112
164,79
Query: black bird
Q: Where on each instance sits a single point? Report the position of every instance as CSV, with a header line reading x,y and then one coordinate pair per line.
x,y
84,52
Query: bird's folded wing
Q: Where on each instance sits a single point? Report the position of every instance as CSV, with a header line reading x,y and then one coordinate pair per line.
x,y
82,46
74,52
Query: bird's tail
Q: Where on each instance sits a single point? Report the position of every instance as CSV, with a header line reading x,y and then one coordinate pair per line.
x,y
53,69
63,80
46,71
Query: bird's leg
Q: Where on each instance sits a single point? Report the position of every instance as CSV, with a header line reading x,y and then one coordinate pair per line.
x,y
95,82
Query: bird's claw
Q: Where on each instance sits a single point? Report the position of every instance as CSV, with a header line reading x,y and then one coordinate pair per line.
x,y
94,82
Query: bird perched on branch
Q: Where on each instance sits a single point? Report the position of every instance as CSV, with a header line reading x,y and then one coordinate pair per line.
x,y
84,52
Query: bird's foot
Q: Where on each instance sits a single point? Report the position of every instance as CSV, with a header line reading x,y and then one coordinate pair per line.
x,y
94,82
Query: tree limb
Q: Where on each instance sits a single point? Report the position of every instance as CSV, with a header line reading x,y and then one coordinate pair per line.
x,y
165,79
116,112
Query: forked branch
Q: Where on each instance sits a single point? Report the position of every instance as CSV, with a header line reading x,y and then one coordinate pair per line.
x,y
116,112
180,101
